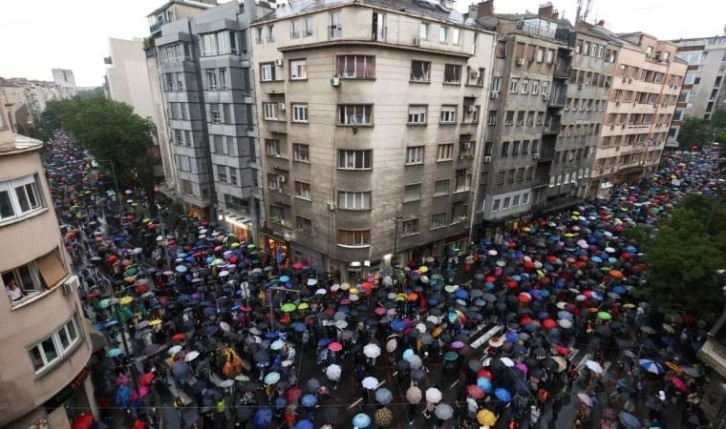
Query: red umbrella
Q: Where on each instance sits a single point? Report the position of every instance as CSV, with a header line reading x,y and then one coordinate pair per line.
x,y
84,421
564,351
490,279
293,394
525,320
511,284
484,373
524,298
367,287
335,346
112,258
146,379
679,384
380,311
475,391
551,258
549,324
179,337
528,264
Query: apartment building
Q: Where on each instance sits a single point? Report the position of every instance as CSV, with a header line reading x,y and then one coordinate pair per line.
x,y
713,355
205,69
703,86
645,89
527,96
46,348
65,79
369,116
127,79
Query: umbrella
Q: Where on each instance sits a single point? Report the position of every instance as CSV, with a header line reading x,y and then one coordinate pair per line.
x,y
585,399
174,350
372,350
503,395
111,353
433,395
594,366
475,391
288,307
191,356
486,418
152,349
651,366
333,372
384,396
335,346
309,400
304,424
272,378
391,345
361,421
413,395
679,384
369,383
628,420
277,345
263,417
383,417
444,411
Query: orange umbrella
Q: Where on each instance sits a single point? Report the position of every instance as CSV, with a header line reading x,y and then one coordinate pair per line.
x,y
616,274
413,296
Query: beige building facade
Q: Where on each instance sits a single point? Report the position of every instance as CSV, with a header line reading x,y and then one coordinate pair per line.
x,y
45,344
646,84
127,76
369,124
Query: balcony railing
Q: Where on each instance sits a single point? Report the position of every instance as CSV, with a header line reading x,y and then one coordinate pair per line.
x,y
558,100
156,27
552,127
562,70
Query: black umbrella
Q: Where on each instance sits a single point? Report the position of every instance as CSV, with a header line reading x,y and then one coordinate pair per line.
x,y
152,349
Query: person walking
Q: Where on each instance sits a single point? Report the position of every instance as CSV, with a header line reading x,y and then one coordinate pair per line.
x,y
556,407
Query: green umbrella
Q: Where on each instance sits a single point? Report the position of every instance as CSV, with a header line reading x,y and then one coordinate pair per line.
x,y
451,356
131,272
104,303
288,307
605,269
450,288
217,261
604,315
251,246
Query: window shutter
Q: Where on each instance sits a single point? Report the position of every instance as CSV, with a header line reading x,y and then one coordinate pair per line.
x,y
51,268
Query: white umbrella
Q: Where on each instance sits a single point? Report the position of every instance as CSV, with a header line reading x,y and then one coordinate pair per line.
x,y
191,356
333,372
594,366
341,324
372,350
564,323
225,326
391,345
312,282
321,291
444,411
433,395
507,362
369,383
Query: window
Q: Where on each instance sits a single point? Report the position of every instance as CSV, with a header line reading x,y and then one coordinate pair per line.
x,y
270,34
525,198
356,66
550,56
219,43
420,71
355,159
233,176
414,155
223,79
513,85
543,88
463,180
515,147
277,214
294,29
302,190
226,113
535,87
459,212
495,205
417,115
438,220
269,111
211,76
443,34
409,227
301,152
272,147
492,118
412,193
505,204
56,346
496,83
515,201
520,118
308,27
505,149
539,57
423,31
354,238
354,200
509,119
455,36
530,119
445,152
466,148
222,173
452,74
299,112
303,224
441,187
525,86
336,28
448,114
267,72
215,113
354,114
298,69
19,197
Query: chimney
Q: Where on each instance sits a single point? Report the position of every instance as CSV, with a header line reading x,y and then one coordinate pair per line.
x,y
485,9
548,11
601,23
473,10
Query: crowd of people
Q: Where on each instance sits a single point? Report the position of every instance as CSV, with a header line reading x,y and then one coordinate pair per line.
x,y
242,338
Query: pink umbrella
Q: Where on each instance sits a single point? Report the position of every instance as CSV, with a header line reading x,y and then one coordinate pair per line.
x,y
380,311
522,367
457,345
335,346
679,384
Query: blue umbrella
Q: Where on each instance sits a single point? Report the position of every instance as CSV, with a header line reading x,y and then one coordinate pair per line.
x,y
629,420
284,279
262,418
280,402
110,324
298,327
210,311
111,353
183,298
596,259
384,396
512,336
304,424
181,269
308,400
503,395
651,366
620,290
210,330
271,335
361,421
461,294
398,325
323,342
484,384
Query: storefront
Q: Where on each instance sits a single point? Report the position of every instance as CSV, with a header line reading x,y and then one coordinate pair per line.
x,y
457,245
239,227
277,246
308,257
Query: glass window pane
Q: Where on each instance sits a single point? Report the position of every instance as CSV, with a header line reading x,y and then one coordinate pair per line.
x,y
22,199
6,208
49,349
65,342
36,357
32,195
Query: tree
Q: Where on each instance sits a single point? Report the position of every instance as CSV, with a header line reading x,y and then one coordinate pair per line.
x,y
686,256
695,132
111,132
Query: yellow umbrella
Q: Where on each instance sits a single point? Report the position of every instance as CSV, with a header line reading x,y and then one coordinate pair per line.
x,y
486,418
401,297
423,269
303,306
576,213
155,322
235,245
126,300
344,286
354,291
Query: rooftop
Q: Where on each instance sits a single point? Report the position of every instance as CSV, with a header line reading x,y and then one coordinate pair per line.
x,y
191,3
20,144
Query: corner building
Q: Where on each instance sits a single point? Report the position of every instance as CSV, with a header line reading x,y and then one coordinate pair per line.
x,y
369,116
45,344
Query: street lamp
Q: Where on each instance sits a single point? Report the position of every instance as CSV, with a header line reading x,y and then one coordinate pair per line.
x,y
124,329
113,173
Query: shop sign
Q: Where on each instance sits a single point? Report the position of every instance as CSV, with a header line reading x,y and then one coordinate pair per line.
x,y
67,392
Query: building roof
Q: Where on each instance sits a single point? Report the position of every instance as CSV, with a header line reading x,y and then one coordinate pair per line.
x,y
20,144
431,9
191,3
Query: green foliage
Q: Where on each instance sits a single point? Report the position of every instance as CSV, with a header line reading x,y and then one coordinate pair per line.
x,y
694,132
685,256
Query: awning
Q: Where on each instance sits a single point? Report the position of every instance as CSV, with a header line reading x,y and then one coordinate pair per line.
x,y
98,340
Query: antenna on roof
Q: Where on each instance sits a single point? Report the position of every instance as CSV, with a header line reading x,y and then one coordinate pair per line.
x,y
588,7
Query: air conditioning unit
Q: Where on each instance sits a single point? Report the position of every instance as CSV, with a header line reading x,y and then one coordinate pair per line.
x,y
535,155
282,106
67,289
475,74
494,95
545,97
617,103
278,62
520,61
417,41
630,80
487,159
281,179
331,206
471,108
334,81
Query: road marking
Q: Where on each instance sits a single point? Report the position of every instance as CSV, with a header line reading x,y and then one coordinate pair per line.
x,y
487,336
454,384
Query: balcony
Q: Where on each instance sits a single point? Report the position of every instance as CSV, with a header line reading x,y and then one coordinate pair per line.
x,y
541,182
156,27
552,126
558,100
562,70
